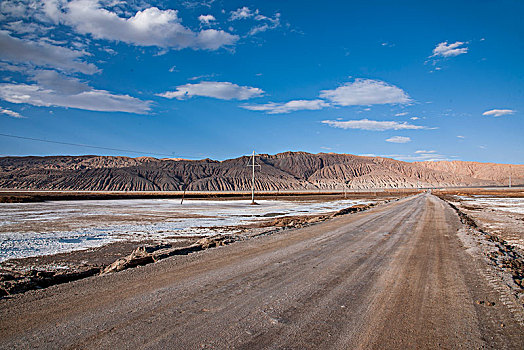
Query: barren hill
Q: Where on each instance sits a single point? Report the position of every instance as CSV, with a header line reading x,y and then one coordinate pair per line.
x,y
499,173
283,171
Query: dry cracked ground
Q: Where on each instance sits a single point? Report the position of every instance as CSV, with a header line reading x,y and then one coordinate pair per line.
x,y
394,277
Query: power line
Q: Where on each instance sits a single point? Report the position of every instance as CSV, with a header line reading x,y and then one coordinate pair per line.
x,y
82,145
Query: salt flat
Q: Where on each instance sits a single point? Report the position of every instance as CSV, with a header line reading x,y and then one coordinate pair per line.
x,y
34,229
502,216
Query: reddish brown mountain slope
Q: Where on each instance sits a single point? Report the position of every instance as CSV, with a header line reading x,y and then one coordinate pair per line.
x,y
283,171
498,173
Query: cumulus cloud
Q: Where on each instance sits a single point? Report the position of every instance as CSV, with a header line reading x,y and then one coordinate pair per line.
x,y
57,93
11,113
215,89
206,19
365,92
399,139
449,50
360,92
241,13
498,112
149,27
401,114
287,107
373,125
43,54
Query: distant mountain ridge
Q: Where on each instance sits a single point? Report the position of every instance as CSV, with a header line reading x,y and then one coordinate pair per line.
x,y
282,171
499,173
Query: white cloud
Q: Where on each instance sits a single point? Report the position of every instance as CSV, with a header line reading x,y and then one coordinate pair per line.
x,y
22,27
13,8
449,50
203,76
387,44
91,99
287,107
241,13
43,54
149,27
195,4
414,118
11,113
401,114
461,137
399,139
52,10
246,12
271,23
206,19
374,125
12,67
50,79
365,92
421,157
360,92
258,29
498,112
220,90
424,151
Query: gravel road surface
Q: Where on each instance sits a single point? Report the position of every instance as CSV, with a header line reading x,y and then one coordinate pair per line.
x,y
393,277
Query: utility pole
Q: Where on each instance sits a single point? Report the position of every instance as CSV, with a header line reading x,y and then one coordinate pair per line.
x,y
183,194
253,165
346,187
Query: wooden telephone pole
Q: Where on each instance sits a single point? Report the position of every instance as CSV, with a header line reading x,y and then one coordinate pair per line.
x,y
253,165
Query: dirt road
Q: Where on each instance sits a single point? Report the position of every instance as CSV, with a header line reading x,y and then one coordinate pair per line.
x,y
394,277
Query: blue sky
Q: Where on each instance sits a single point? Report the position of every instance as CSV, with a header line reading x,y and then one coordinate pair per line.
x,y
410,80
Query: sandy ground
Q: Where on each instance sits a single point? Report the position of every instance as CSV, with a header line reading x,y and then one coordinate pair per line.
x,y
397,276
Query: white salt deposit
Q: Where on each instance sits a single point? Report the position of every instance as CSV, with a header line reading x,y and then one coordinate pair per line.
x,y
511,205
35,229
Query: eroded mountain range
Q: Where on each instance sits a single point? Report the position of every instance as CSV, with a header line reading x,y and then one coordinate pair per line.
x,y
283,171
